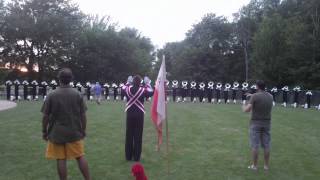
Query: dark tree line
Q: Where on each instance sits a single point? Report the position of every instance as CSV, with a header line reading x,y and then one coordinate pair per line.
x,y
278,41
51,34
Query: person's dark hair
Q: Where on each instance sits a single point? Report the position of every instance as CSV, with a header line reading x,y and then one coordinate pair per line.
x,y
136,80
65,76
261,85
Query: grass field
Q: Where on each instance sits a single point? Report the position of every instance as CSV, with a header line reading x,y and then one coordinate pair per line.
x,y
206,142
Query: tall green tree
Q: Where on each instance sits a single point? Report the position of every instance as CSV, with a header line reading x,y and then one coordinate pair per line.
x,y
40,32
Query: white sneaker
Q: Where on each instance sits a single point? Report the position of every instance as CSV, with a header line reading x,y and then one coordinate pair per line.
x,y
252,167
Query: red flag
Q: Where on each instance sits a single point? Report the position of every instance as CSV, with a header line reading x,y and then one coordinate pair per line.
x,y
158,109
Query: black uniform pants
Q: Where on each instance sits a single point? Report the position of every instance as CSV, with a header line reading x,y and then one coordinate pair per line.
x,y
174,94
134,132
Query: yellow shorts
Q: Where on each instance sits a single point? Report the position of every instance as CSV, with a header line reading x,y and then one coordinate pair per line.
x,y
65,151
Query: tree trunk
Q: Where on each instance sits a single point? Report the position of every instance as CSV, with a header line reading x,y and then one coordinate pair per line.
x,y
246,61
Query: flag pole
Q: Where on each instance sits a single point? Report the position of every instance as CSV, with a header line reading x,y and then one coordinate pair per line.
x,y
167,125
167,141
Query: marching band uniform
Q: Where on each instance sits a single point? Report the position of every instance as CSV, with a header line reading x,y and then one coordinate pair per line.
x,y
16,89
274,91
308,103
25,84
147,81
72,84
226,92
122,93
201,91
34,85
8,87
167,90
115,91
235,88
53,84
244,90
44,85
184,90
88,90
193,93
218,91
135,119
79,86
285,90
210,91
175,86
296,90
106,90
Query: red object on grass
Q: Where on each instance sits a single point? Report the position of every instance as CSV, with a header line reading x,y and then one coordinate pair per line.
x,y
138,172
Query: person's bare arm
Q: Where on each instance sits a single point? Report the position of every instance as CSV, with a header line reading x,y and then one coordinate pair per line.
x,y
45,122
247,107
84,123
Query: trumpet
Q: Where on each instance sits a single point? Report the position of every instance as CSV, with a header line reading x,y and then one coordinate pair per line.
x,y
78,84
210,84
297,88
285,88
274,89
106,85
309,93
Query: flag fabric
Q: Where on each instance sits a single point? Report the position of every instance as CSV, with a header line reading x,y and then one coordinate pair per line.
x,y
158,109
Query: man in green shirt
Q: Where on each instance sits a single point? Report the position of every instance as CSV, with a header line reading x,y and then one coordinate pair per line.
x,y
64,125
260,106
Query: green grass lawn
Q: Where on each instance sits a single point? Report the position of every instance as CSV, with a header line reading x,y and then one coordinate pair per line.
x,y
206,142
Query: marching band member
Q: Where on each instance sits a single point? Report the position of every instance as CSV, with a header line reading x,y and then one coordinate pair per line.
x,y
115,91
53,84
218,90
44,85
184,90
34,85
235,88
285,90
244,90
175,86
308,102
296,91
226,93
210,91
72,84
106,90
25,84
79,86
88,91
8,88
274,91
201,91
167,88
193,88
122,93
135,117
147,81
16,89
